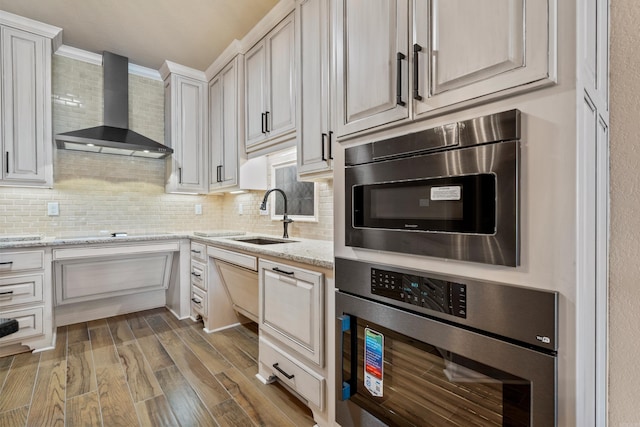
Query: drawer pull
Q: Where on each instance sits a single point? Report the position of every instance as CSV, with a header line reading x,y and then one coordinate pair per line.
x,y
277,270
275,365
6,263
193,273
195,252
6,295
197,301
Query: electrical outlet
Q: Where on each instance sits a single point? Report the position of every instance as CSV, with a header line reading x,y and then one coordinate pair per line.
x,y
53,209
266,210
198,209
240,209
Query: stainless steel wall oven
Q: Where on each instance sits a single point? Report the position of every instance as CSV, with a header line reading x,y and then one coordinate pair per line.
x,y
421,349
450,191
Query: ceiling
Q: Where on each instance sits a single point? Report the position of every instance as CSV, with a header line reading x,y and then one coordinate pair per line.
x,y
148,32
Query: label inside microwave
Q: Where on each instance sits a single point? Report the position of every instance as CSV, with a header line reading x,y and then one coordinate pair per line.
x,y
451,192
373,362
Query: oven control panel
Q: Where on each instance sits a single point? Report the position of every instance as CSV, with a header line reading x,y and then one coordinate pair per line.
x,y
434,294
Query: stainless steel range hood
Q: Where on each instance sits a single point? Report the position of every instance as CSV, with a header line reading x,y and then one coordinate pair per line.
x,y
114,137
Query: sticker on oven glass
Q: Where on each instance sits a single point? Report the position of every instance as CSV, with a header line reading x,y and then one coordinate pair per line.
x,y
452,192
373,361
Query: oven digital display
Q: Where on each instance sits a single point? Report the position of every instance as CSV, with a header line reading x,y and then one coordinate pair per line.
x,y
434,294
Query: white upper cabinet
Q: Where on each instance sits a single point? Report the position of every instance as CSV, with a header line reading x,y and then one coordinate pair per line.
x,y
315,135
372,67
185,128
255,69
454,53
226,126
594,52
504,45
25,110
270,88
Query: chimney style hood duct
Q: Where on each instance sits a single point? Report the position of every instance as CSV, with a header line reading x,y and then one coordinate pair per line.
x,y
114,137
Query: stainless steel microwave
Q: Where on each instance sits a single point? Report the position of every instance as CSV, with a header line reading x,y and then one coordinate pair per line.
x,y
450,192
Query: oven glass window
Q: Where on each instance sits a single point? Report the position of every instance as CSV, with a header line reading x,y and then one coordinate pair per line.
x,y
460,204
427,386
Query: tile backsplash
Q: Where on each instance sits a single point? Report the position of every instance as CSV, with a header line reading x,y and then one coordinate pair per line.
x,y
99,192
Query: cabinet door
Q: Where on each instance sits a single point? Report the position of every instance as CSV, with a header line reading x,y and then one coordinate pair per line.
x,y
291,307
216,132
281,105
505,44
223,128
372,63
255,68
314,137
25,106
188,121
230,96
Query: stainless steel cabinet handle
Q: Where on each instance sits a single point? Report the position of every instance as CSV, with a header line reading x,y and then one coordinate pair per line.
x,y
277,367
277,270
399,57
416,87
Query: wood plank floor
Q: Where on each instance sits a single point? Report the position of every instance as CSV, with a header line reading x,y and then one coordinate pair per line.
x,y
147,369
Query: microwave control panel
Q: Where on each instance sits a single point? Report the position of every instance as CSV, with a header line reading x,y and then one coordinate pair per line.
x,y
433,294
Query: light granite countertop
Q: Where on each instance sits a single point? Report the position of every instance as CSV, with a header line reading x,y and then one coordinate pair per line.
x,y
307,251
318,253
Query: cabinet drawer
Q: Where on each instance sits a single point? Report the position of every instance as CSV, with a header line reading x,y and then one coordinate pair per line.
x,y
199,301
30,323
20,290
198,275
293,373
246,261
11,262
198,252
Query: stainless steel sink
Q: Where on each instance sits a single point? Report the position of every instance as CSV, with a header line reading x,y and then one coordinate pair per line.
x,y
261,240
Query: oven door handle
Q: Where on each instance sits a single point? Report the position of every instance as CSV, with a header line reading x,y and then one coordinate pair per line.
x,y
343,324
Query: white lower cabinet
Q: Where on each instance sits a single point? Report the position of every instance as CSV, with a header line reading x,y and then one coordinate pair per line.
x,y
291,307
292,372
292,332
25,295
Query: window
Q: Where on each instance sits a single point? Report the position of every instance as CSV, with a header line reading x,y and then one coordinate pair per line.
x,y
302,199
